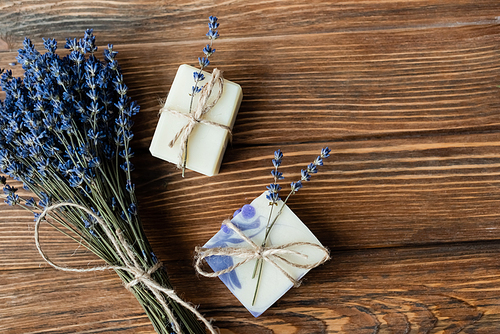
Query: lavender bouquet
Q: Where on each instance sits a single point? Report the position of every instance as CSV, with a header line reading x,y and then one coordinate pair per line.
x,y
65,133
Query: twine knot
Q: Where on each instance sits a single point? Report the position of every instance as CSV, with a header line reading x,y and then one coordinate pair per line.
x,y
270,254
196,117
141,275
130,265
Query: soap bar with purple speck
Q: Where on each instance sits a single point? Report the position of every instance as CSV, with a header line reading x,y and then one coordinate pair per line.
x,y
251,219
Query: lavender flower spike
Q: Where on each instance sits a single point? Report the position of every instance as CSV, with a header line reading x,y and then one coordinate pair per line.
x,y
198,76
312,168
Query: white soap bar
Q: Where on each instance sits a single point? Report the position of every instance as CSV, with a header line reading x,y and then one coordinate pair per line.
x,y
252,221
207,143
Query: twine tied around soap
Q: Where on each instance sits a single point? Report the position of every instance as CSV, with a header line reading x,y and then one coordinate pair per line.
x,y
269,254
196,117
131,266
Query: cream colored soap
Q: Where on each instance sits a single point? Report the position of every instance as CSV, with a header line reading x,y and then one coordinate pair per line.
x,y
252,220
207,143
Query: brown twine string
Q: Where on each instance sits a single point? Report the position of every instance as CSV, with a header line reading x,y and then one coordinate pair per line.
x,y
269,254
134,268
197,116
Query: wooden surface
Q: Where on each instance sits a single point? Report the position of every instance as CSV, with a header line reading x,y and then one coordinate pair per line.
x,y
403,92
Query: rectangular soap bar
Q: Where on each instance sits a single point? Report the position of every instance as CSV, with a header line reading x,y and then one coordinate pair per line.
x,y
252,221
207,143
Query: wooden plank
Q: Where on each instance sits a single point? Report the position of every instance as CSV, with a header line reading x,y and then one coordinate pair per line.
x,y
149,21
348,85
47,301
370,193
414,290
338,86
378,193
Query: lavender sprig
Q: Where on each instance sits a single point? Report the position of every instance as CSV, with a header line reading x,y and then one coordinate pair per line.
x,y
212,34
273,197
273,190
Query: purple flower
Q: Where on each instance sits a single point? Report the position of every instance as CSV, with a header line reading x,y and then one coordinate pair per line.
x,y
311,168
8,190
278,157
273,188
208,51
198,76
273,198
325,153
12,199
304,175
296,186
204,62
277,175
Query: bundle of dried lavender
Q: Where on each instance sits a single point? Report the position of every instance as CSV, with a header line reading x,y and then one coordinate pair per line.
x,y
65,132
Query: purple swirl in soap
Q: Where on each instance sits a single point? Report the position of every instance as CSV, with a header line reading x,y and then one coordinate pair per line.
x,y
248,211
246,220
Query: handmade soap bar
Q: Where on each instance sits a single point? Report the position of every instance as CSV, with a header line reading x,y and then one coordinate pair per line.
x,y
207,143
252,220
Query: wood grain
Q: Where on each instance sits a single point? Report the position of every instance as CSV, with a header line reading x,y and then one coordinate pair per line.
x,y
339,85
430,289
408,191
403,92
151,21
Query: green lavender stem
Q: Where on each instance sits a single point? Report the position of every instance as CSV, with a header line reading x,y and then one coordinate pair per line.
x,y
260,262
191,103
190,110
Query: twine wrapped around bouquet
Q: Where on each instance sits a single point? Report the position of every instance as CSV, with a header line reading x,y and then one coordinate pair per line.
x,y
269,254
196,117
130,265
